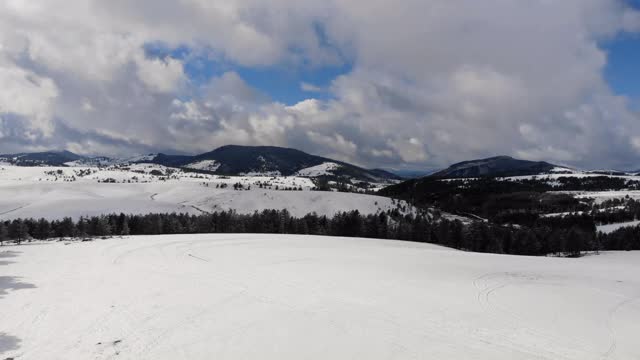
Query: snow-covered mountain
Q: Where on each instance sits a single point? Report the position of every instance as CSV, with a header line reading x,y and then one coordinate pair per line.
x,y
273,161
231,160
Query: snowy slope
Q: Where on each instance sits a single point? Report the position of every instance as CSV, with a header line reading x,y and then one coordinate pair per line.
x,y
326,168
602,196
609,228
58,192
206,165
295,297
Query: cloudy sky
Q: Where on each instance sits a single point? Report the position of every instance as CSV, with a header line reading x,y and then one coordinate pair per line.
x,y
408,83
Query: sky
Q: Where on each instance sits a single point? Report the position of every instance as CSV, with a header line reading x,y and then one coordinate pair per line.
x,y
411,84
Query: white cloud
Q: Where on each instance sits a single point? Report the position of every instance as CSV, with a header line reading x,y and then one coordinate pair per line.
x,y
432,82
310,87
335,142
29,96
189,111
631,21
161,75
410,150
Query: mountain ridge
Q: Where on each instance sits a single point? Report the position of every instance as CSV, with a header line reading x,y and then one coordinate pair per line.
x,y
225,160
496,166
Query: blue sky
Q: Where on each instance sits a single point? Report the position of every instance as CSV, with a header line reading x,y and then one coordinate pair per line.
x,y
283,83
623,68
623,65
280,83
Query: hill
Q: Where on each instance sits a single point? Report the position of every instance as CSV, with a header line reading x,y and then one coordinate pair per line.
x,y
271,160
231,160
495,167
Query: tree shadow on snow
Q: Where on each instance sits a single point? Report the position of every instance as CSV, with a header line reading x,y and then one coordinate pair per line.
x,y
9,254
8,343
10,283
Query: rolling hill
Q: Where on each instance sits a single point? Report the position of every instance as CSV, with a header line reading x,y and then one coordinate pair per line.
x,y
270,160
494,167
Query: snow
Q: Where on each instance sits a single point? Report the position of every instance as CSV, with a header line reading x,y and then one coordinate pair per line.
x,y
562,214
302,297
602,196
563,170
137,158
609,228
575,174
55,193
325,168
207,165
262,173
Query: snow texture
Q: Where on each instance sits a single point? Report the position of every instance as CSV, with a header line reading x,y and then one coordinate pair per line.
x,y
207,165
326,168
302,297
609,228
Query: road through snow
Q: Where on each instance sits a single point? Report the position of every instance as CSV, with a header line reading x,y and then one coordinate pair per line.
x,y
304,297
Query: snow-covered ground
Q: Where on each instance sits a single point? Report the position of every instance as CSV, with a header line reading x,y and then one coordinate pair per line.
x,y
601,196
58,192
556,175
326,168
208,165
298,297
609,228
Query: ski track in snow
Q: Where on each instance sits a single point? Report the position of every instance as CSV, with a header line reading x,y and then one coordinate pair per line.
x,y
229,296
12,210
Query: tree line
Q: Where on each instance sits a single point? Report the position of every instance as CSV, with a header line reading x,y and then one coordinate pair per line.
x,y
519,201
568,236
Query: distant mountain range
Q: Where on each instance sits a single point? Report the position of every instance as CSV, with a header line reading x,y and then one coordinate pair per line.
x,y
226,160
278,161
47,158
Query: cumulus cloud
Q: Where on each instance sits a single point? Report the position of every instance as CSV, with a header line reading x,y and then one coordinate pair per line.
x,y
28,96
161,75
430,82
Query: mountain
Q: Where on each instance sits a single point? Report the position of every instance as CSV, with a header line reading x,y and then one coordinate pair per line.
x,y
226,160
270,160
498,166
47,158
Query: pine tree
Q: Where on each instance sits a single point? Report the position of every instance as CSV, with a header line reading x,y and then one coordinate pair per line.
x,y
575,242
82,228
18,230
4,233
125,228
67,228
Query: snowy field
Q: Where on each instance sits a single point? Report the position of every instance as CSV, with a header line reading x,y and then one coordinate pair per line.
x,y
43,192
602,196
609,228
296,297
